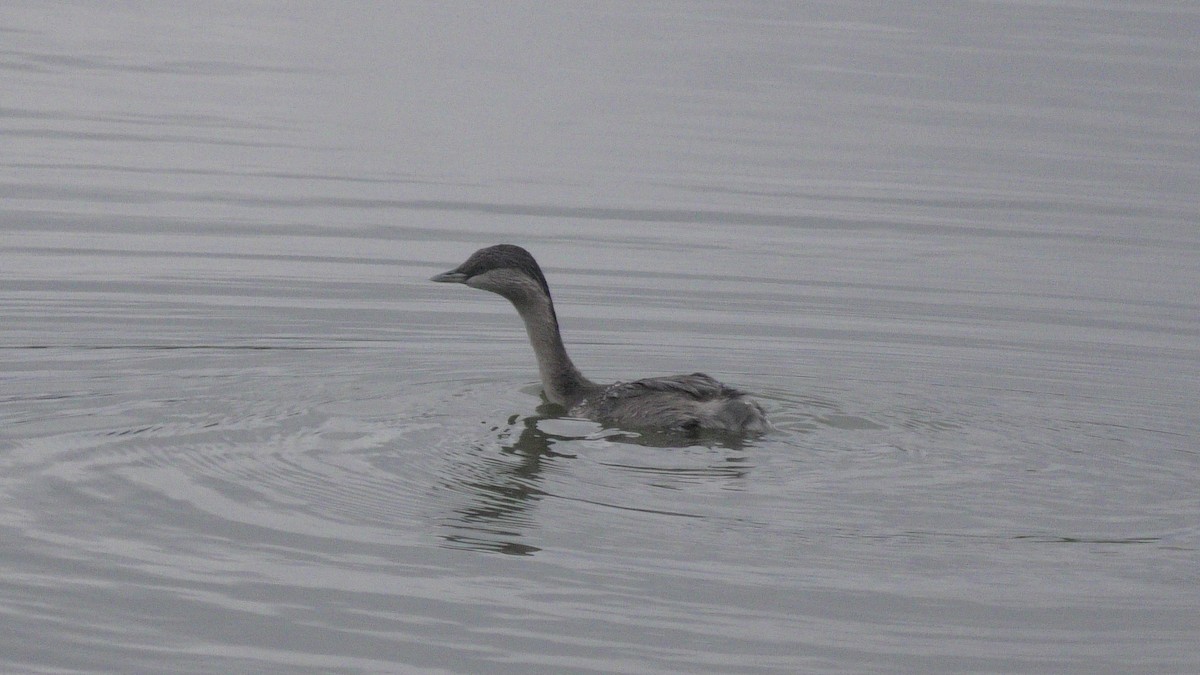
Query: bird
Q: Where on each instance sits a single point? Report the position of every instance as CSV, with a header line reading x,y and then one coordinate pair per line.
x,y
692,403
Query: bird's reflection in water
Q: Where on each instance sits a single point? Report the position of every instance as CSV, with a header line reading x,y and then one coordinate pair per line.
x,y
502,487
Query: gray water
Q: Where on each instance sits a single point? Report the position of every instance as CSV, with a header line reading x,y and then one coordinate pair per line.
x,y
953,248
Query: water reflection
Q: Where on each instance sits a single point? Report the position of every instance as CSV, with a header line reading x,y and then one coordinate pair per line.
x,y
502,489
503,483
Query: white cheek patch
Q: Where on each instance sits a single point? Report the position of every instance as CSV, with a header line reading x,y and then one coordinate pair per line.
x,y
507,282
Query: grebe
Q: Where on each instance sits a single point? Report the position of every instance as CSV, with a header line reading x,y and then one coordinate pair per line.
x,y
677,403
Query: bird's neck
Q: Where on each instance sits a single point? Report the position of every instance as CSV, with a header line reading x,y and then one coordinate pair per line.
x,y
561,380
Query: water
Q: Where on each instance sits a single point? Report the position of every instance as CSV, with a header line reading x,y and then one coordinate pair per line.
x,y
952,248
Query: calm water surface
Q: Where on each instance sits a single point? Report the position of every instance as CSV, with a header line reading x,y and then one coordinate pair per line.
x,y
953,248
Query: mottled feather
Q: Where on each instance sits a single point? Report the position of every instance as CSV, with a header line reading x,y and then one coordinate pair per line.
x,y
689,402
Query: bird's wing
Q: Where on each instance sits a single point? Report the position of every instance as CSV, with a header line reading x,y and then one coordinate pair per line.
x,y
698,386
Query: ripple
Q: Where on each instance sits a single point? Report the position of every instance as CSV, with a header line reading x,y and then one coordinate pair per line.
x,y
951,251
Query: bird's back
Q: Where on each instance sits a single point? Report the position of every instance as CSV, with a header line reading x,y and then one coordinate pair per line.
x,y
680,402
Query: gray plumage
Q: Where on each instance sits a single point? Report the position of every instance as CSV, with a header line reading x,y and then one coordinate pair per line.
x,y
679,402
